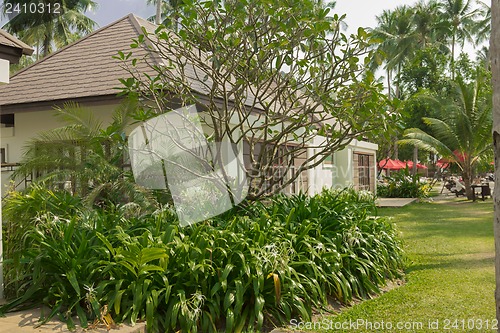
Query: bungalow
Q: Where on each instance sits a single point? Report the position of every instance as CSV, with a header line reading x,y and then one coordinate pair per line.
x,y
11,50
86,72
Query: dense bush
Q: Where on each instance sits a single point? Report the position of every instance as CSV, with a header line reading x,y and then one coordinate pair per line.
x,y
402,184
263,263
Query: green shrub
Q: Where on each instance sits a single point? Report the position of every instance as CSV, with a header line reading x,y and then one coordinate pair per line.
x,y
262,263
402,184
21,212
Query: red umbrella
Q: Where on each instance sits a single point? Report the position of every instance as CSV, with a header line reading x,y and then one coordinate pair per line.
x,y
389,164
459,155
443,163
410,165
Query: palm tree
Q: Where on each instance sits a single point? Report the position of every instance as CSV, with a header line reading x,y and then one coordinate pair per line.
x,y
429,28
87,155
483,26
464,133
48,30
397,41
167,12
460,17
483,57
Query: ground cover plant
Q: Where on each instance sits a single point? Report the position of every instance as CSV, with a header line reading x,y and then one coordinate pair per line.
x,y
450,278
260,265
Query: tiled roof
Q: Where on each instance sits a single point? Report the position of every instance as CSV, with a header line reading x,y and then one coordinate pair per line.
x,y
82,69
9,40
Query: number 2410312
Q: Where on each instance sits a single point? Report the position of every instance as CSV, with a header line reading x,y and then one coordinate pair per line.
x,y
33,8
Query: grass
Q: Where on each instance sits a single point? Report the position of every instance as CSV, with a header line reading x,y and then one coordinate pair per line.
x,y
449,278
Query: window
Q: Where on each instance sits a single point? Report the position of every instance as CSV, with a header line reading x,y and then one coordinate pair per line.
x,y
278,166
7,120
364,172
328,161
3,158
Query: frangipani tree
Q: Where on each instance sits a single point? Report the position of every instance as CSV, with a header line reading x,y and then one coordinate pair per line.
x,y
268,76
463,134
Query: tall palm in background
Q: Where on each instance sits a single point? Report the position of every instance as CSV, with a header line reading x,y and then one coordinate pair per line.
x,y
428,28
460,17
483,26
463,134
397,42
48,31
168,12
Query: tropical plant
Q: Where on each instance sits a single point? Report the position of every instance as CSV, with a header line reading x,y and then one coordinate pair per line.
x,y
460,17
260,92
52,29
429,28
463,134
263,265
403,184
483,26
397,42
167,12
84,157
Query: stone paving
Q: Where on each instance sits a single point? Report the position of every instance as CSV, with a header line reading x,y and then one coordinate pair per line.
x,y
26,322
394,202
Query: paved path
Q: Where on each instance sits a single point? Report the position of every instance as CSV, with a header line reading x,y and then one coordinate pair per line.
x,y
394,202
25,322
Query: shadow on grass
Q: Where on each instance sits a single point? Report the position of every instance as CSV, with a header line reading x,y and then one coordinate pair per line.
x,y
455,263
447,220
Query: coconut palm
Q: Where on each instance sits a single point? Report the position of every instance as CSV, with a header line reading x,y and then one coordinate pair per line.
x,y
429,28
47,30
460,17
397,41
169,10
463,135
483,27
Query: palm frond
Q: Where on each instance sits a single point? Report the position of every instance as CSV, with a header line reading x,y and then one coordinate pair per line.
x,y
424,141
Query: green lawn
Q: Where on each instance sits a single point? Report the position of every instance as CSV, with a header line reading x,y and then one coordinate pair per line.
x,y
449,278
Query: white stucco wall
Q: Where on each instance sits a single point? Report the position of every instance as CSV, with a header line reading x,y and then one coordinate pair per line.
x,y
341,173
28,124
4,71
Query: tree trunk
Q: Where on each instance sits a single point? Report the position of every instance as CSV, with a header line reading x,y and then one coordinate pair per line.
x,y
415,160
466,176
495,69
158,12
453,57
389,93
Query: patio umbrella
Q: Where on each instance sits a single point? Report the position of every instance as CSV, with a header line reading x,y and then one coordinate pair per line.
x,y
389,164
410,165
443,163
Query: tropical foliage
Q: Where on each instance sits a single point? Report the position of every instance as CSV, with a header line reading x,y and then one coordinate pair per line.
x,y
51,29
437,25
252,267
462,133
85,156
418,47
271,85
402,184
